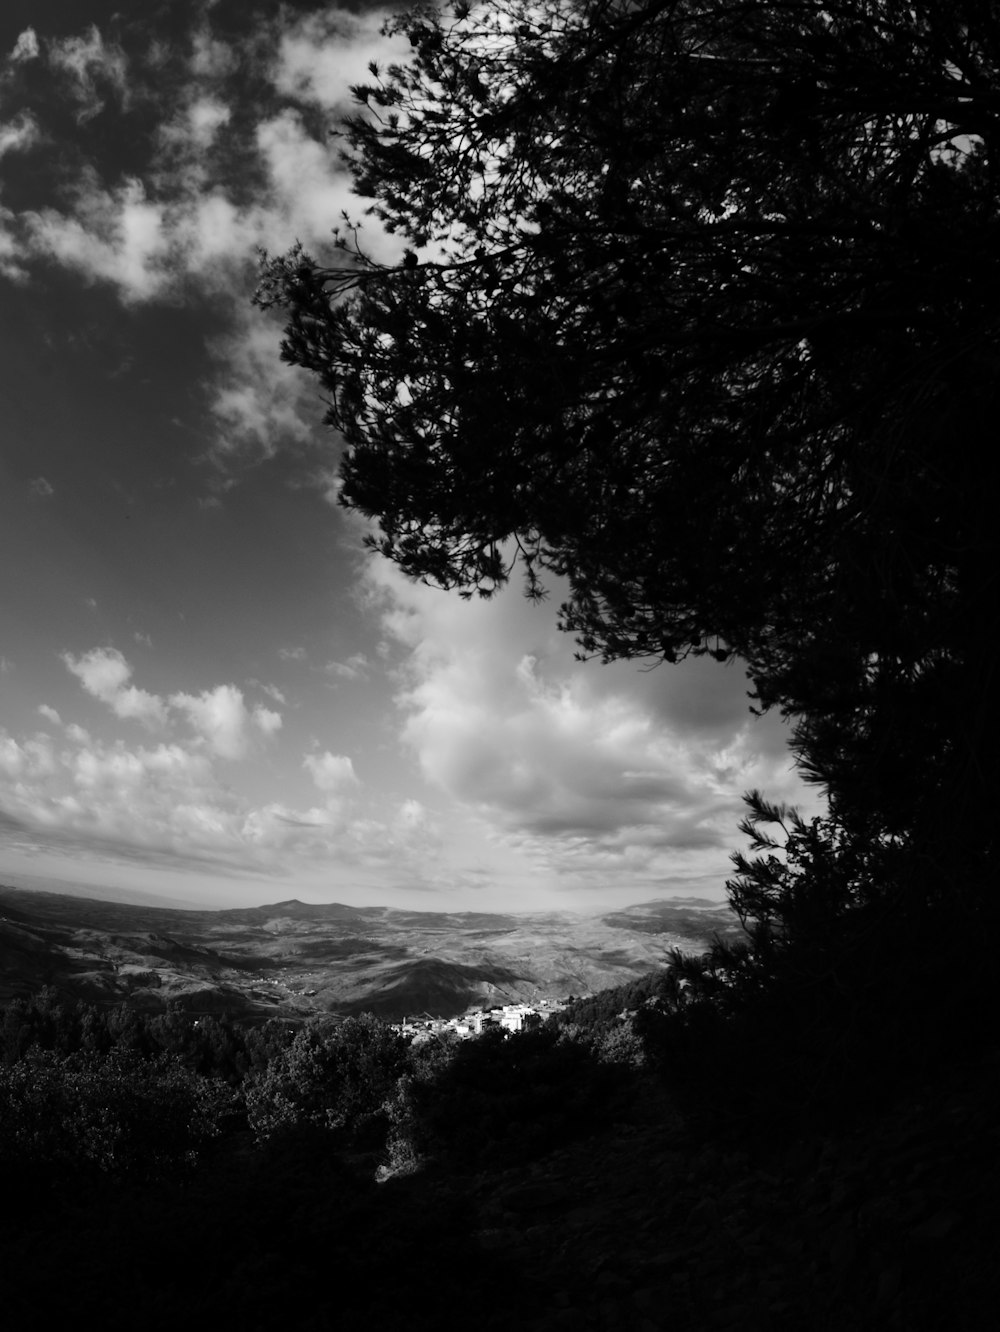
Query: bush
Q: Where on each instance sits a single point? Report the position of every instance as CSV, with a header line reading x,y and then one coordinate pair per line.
x,y
330,1077
112,1114
499,1098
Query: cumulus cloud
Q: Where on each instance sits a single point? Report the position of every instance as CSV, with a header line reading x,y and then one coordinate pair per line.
x,y
41,487
219,716
196,126
25,48
164,803
267,721
115,235
162,798
323,54
332,773
585,770
105,674
49,714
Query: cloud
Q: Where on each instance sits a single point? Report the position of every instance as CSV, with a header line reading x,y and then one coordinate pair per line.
x,y
583,770
266,721
356,667
164,804
25,48
332,773
308,185
219,181
220,717
257,404
114,235
91,69
196,126
105,674
162,798
40,487
11,266
50,714
322,55
20,134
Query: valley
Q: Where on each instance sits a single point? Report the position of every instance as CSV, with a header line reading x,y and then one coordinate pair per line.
x,y
295,959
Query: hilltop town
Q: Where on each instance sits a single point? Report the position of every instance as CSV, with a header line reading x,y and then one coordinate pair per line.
x,y
508,1017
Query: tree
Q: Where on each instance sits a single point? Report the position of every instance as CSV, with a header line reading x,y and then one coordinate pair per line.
x,y
698,310
114,1113
329,1077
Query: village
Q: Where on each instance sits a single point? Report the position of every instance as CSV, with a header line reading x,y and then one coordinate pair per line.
x,y
508,1017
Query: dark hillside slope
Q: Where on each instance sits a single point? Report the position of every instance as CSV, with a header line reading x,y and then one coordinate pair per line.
x,y
639,1224
429,985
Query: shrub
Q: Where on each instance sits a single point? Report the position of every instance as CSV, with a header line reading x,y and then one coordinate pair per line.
x,y
498,1098
331,1077
113,1114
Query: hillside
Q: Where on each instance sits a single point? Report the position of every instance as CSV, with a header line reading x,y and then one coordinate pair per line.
x,y
634,1222
293,958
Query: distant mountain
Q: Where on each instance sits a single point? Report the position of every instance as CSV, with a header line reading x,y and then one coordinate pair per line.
x,y
295,958
691,917
42,883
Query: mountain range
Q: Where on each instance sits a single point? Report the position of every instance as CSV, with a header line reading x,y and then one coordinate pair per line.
x,y
293,959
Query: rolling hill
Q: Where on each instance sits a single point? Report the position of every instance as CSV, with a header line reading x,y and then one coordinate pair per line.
x,y
294,958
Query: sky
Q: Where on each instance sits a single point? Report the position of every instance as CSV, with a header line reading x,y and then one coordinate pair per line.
x,y
210,692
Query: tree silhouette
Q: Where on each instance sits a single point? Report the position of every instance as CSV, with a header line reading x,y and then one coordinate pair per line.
x,y
698,311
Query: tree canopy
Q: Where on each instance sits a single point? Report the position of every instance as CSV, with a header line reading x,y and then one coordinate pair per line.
x,y
698,310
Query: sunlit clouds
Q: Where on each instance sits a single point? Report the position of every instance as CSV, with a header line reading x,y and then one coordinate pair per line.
x,y
169,797
105,674
581,769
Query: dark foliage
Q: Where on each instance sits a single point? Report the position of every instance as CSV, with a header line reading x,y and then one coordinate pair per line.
x,y
213,1046
502,1097
117,1114
330,1076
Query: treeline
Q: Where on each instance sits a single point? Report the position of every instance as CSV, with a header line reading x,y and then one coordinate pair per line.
x,y
120,1093
216,1046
